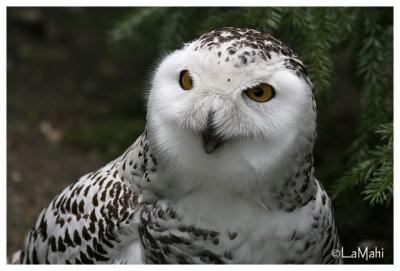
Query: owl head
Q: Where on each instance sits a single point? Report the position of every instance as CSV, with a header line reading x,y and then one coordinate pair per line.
x,y
231,107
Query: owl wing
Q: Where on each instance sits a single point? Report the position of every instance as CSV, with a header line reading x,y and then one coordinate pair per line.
x,y
95,219
329,235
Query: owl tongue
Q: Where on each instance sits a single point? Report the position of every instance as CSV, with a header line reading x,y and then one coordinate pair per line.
x,y
211,140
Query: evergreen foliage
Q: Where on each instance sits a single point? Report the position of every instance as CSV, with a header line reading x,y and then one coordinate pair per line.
x,y
316,34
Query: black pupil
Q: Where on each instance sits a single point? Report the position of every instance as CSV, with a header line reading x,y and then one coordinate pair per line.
x,y
258,92
185,78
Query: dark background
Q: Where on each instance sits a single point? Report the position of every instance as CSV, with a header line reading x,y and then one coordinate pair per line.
x,y
75,101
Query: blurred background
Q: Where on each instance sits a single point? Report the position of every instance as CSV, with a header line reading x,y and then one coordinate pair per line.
x,y
76,78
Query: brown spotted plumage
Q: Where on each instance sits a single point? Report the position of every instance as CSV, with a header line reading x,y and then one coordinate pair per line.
x,y
216,177
89,222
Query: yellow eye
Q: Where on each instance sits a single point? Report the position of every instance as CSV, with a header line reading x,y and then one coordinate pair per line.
x,y
185,80
261,93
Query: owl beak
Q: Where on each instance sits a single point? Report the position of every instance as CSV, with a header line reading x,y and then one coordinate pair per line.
x,y
211,139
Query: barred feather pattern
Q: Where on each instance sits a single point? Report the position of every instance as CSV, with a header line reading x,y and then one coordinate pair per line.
x,y
90,221
167,200
97,218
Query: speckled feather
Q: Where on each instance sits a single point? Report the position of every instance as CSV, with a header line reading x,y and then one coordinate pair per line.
x,y
166,201
91,221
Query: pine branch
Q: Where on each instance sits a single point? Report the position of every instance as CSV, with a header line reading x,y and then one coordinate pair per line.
x,y
374,172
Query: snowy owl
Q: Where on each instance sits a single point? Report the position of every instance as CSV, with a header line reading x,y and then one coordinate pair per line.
x,y
223,172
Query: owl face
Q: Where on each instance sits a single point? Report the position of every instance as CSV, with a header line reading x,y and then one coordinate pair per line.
x,y
232,98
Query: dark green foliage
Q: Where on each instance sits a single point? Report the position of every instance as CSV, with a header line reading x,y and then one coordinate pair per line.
x,y
316,34
109,136
373,169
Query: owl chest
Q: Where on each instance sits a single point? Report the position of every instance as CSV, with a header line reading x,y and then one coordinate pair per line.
x,y
179,235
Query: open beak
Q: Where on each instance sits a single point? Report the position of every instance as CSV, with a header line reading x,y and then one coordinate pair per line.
x,y
211,140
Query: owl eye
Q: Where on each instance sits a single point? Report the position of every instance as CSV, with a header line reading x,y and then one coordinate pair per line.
x,y
185,80
261,93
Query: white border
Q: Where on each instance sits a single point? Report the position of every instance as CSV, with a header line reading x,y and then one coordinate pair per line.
x,y
396,84
199,3
3,145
